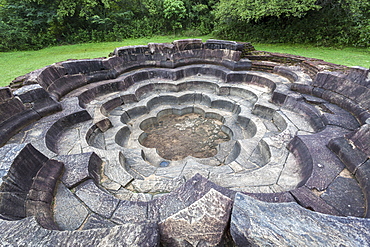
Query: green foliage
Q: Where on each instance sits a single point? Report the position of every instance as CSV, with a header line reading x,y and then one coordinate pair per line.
x,y
336,22
254,10
24,25
175,12
33,24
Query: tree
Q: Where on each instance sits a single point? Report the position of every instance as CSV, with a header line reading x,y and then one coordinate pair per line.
x,y
248,10
175,12
325,22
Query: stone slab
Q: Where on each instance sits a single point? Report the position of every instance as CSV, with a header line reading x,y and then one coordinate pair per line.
x,y
326,165
27,232
132,212
96,199
203,223
346,196
69,212
76,168
115,171
349,154
307,199
95,221
256,223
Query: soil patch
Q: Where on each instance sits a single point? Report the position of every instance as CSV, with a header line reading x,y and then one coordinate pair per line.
x,y
176,137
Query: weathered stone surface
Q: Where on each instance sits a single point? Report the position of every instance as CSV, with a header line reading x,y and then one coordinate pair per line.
x,y
346,196
157,186
31,93
24,167
350,155
187,194
363,177
5,94
135,163
69,212
118,174
201,224
15,123
140,79
255,223
12,205
273,197
361,138
307,199
132,212
326,165
8,153
40,195
11,108
97,200
28,233
335,115
79,167
46,106
95,221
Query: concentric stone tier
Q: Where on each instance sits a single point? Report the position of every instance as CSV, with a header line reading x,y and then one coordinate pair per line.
x,y
73,156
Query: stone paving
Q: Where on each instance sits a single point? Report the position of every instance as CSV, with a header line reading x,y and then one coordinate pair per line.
x,y
83,166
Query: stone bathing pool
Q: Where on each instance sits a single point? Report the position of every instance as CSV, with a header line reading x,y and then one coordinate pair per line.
x,y
186,144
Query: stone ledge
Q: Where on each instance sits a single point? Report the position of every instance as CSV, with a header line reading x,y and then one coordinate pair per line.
x,y
256,223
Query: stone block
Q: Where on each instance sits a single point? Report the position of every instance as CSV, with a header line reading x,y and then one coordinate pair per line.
x,y
303,156
273,197
79,167
203,223
31,93
223,44
363,177
12,125
345,195
95,221
96,199
83,66
351,156
287,224
12,205
361,139
334,115
49,74
66,84
46,106
132,212
8,153
53,133
117,173
187,44
23,169
307,199
305,89
28,232
69,212
326,165
42,213
286,72
110,105
5,94
11,108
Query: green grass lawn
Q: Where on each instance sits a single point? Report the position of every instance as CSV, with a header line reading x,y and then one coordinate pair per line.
x,y
13,64
349,56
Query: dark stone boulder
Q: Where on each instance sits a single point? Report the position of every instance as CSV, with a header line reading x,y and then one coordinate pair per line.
x,y
255,223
